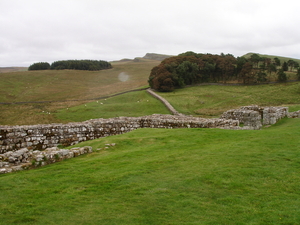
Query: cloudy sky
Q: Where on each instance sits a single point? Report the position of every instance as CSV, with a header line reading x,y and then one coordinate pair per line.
x,y
50,30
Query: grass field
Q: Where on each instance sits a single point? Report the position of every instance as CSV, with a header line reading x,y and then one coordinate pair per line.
x,y
161,176
211,101
134,104
64,85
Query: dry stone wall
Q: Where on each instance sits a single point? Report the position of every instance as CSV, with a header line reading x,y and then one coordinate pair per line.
x,y
41,137
51,135
294,114
24,158
254,117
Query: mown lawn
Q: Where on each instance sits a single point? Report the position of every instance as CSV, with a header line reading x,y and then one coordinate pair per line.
x,y
161,176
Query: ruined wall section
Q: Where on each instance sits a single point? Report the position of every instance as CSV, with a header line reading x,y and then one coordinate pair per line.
x,y
51,135
294,114
255,117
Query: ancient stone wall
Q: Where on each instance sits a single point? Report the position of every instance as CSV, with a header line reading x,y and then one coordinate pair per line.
x,y
164,101
294,114
25,159
51,135
254,116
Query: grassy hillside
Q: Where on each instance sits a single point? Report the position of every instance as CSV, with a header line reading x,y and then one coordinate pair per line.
x,y
162,176
203,101
81,86
211,100
135,104
65,85
282,58
12,69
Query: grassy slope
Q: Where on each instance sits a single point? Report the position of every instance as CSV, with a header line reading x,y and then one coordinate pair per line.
x,y
135,104
64,85
159,176
282,58
211,101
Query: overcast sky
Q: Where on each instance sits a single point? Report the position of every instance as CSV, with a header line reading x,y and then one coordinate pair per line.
x,y
50,30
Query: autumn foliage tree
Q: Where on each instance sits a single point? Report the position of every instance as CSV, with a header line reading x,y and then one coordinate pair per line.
x,y
191,68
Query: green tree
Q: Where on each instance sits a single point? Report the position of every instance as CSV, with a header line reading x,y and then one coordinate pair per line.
x,y
271,68
277,61
291,64
281,76
39,66
255,59
189,72
298,73
285,66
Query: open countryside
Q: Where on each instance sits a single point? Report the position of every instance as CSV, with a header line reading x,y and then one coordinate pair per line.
x,y
153,176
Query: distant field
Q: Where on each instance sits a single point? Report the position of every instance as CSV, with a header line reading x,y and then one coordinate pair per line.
x,y
60,85
281,58
166,176
134,104
211,100
12,69
203,101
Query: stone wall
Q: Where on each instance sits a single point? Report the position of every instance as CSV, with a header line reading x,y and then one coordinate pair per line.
x,y
294,114
24,158
253,117
51,135
41,137
164,101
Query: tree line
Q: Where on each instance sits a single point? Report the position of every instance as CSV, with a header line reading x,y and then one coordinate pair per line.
x,y
192,68
91,65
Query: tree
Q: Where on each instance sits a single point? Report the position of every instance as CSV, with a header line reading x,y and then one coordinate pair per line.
x,y
291,63
281,76
255,59
189,72
39,66
298,73
246,74
277,61
271,68
285,66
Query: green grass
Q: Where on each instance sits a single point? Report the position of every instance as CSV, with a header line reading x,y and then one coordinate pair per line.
x,y
281,58
132,104
61,85
211,101
161,176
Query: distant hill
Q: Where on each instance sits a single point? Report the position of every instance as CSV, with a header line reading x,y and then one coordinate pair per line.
x,y
148,56
12,69
282,58
155,56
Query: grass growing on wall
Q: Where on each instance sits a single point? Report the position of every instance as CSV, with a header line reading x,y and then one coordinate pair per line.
x,y
162,176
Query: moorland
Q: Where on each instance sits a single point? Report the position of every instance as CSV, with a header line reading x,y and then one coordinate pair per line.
x,y
153,176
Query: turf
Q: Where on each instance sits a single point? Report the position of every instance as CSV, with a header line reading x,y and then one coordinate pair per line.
x,y
161,176
131,104
211,100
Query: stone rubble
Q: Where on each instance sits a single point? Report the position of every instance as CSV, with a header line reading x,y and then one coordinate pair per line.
x,y
24,158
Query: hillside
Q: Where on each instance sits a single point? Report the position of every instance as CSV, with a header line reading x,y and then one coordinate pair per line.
x,y
12,69
165,176
62,85
72,95
282,58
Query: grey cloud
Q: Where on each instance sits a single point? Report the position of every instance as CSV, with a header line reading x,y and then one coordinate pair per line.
x,y
35,30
